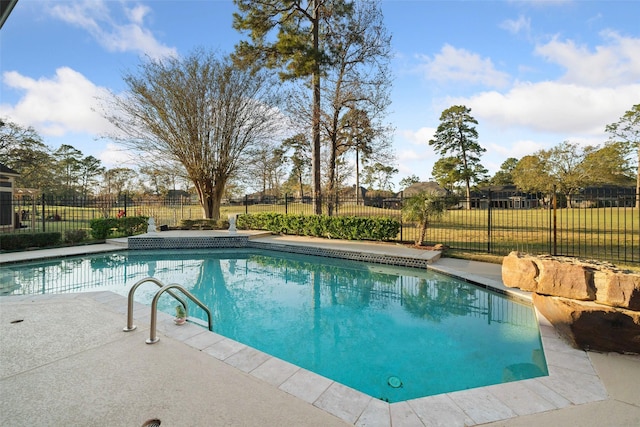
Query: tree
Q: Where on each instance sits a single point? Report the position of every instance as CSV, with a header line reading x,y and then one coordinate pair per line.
x,y
89,169
22,150
627,131
357,91
267,168
300,159
161,177
199,111
153,180
570,168
378,176
446,172
118,180
505,175
457,136
530,175
68,169
423,208
296,50
13,136
608,165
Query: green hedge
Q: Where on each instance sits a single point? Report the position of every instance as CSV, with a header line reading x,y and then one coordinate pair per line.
x,y
101,228
19,241
333,227
204,224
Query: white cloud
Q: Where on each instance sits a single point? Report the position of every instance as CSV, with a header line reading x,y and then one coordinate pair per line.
x,y
419,137
613,64
131,36
521,25
460,65
554,107
117,156
419,162
56,106
517,149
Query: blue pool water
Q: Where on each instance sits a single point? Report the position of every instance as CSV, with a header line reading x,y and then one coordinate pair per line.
x,y
393,333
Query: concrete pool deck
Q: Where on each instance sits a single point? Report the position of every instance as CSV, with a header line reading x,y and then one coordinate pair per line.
x,y
83,370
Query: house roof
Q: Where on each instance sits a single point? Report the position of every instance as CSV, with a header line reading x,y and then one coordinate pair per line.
x,y
420,187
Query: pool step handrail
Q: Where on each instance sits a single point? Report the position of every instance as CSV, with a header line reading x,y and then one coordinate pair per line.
x,y
130,326
153,338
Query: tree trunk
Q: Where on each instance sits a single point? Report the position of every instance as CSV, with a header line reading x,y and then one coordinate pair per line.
x,y
315,150
357,177
206,195
301,186
423,232
207,206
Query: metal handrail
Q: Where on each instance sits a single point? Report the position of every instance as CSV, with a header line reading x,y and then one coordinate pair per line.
x,y
153,338
130,326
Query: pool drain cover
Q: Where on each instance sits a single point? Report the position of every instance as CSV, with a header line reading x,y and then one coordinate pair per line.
x,y
151,423
394,382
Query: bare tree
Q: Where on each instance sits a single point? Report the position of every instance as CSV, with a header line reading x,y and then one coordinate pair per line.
x,y
200,111
267,172
357,89
299,49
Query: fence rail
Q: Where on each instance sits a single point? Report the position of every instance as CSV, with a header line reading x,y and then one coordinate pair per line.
x,y
600,224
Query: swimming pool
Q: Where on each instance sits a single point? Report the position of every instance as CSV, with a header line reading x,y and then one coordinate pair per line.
x,y
393,333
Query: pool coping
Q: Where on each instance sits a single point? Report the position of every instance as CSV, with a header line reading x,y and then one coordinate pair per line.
x,y
572,379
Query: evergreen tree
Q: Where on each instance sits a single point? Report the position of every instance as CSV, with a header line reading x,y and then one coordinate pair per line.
x,y
456,135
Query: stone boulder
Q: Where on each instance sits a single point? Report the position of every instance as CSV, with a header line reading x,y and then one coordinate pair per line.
x,y
592,304
618,289
591,326
572,278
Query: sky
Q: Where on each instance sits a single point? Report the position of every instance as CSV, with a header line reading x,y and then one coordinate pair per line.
x,y
534,73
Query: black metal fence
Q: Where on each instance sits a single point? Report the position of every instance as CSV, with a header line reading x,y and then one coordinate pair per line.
x,y
600,223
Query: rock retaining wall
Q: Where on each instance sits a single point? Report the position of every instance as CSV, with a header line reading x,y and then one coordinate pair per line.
x,y
593,305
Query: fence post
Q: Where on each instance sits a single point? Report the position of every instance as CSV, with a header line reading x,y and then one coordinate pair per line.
x,y
555,222
489,224
43,216
401,222
246,204
125,203
286,205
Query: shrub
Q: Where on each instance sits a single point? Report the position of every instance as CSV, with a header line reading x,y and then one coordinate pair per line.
x,y
204,224
130,225
12,242
336,227
74,236
101,228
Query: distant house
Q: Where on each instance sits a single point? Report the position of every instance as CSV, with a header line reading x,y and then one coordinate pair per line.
x,y
605,196
7,184
502,197
421,187
395,201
